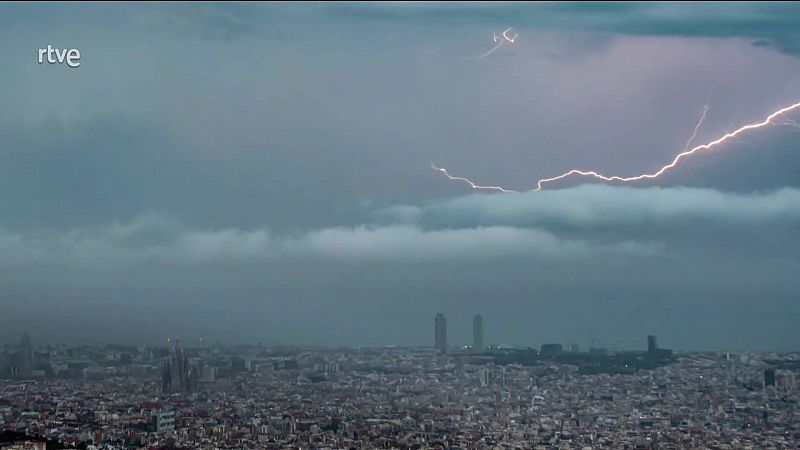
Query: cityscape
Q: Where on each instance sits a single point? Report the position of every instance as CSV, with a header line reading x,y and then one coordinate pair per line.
x,y
476,396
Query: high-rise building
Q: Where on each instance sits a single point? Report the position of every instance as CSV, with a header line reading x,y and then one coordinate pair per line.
x,y
574,348
164,420
551,349
25,367
652,346
769,377
478,334
441,333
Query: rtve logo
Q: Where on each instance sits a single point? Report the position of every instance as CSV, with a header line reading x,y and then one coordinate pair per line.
x,y
55,56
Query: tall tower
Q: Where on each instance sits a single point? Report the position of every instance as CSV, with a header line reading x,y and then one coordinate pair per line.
x,y
478,334
441,333
769,377
25,364
652,346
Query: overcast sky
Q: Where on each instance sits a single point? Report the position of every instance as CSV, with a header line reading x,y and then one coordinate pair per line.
x,y
261,173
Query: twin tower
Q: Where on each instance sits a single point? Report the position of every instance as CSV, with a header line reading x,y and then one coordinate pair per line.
x,y
478,333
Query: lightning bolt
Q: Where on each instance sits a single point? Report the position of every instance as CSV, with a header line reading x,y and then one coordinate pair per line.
x,y
769,120
507,37
696,128
500,40
491,50
473,185
681,155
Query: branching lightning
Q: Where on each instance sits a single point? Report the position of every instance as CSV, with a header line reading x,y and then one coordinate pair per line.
x,y
499,40
776,118
697,128
662,170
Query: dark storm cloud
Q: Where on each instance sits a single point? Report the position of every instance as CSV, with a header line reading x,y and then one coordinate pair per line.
x,y
776,22
764,22
67,172
261,172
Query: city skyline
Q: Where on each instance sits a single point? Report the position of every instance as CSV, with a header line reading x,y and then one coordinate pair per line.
x,y
440,338
176,371
262,173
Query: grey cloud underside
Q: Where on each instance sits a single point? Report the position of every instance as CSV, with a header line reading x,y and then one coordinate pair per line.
x,y
618,262
765,22
563,225
590,207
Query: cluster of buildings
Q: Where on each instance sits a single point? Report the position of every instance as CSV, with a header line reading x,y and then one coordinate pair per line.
x,y
23,361
478,333
397,398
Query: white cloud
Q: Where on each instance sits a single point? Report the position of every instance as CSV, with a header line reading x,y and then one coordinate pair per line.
x,y
600,205
581,222
206,246
410,243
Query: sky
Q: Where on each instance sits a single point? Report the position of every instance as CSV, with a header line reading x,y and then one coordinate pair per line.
x,y
260,173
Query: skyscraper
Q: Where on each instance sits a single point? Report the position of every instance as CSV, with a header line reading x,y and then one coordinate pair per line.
x,y
478,334
652,346
25,368
769,377
441,333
